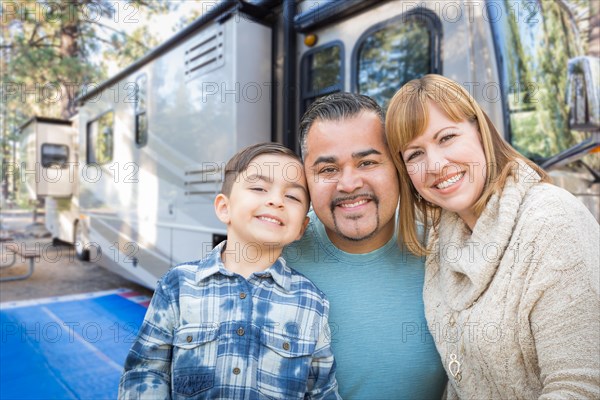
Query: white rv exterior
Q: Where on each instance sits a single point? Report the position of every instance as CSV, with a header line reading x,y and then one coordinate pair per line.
x,y
147,197
153,139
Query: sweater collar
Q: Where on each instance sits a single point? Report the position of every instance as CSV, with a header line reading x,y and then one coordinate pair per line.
x,y
467,261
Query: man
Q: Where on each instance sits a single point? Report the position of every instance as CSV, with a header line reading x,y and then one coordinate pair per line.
x,y
350,250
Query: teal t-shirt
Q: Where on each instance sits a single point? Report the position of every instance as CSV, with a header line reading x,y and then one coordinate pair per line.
x,y
380,339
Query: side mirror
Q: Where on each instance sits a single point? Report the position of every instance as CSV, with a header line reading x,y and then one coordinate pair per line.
x,y
583,93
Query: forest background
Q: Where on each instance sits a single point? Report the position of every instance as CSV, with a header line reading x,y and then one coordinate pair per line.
x,y
53,50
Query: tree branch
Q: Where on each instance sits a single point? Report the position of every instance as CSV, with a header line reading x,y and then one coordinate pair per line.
x,y
105,41
38,41
33,32
47,45
100,24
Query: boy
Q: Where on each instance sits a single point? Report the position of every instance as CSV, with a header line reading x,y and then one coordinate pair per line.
x,y
240,324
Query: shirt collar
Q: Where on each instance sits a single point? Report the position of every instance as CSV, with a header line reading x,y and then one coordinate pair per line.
x,y
280,273
213,264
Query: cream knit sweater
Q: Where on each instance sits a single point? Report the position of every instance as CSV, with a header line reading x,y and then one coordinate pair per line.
x,y
516,301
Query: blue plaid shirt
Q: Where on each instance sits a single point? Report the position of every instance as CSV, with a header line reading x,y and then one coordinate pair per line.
x,y
212,334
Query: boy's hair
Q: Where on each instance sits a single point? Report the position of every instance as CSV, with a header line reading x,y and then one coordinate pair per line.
x,y
242,159
335,107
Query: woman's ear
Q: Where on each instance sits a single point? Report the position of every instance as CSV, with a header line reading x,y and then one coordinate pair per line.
x,y
222,208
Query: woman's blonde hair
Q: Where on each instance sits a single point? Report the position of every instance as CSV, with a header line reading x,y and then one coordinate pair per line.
x,y
407,117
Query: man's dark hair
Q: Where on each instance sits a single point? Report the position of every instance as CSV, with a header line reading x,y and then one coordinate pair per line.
x,y
242,159
335,107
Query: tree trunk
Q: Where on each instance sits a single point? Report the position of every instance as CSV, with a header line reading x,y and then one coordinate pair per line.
x,y
69,49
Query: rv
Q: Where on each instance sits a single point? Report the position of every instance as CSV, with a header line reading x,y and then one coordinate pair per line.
x,y
153,139
48,151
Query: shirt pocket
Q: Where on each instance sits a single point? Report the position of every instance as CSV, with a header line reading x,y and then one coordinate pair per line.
x,y
194,359
283,365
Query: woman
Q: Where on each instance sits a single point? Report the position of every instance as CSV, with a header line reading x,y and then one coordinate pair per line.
x,y
512,276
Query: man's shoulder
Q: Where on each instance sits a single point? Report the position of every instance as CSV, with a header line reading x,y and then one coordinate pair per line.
x,y
300,282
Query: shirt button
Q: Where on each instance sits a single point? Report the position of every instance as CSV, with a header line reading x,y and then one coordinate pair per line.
x,y
241,331
242,295
236,371
189,339
286,346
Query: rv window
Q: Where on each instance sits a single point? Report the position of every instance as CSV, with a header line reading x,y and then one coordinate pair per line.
x,y
533,55
141,117
141,129
322,72
54,155
100,139
394,52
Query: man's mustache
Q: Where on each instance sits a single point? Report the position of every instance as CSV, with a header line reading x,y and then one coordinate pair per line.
x,y
339,200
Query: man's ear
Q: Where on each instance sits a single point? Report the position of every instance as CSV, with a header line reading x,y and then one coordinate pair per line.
x,y
222,208
303,228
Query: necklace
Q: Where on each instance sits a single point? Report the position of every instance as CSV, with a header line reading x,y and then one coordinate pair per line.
x,y
456,350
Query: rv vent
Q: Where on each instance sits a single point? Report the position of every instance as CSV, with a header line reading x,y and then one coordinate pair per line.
x,y
204,53
202,180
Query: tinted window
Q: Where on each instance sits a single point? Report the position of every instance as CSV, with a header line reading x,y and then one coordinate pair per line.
x,y
535,45
54,155
322,69
395,52
141,116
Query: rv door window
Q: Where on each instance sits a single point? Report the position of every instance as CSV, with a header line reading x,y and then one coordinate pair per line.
x,y
101,139
322,72
54,155
534,42
393,52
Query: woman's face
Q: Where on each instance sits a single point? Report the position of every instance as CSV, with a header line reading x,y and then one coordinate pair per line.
x,y
446,164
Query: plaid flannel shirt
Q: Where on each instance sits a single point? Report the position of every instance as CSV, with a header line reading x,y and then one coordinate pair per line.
x,y
212,334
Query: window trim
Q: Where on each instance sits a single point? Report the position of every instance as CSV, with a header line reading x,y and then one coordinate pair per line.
x,y
88,141
305,93
63,165
436,35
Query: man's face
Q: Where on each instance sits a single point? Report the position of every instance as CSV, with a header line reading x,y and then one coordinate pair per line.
x,y
352,181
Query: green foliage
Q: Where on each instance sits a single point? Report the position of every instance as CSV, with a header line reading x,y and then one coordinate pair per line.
x,y
49,51
126,49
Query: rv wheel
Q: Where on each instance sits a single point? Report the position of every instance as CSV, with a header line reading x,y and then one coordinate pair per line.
x,y
81,252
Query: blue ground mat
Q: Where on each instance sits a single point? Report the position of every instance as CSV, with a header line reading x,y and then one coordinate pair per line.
x,y
70,347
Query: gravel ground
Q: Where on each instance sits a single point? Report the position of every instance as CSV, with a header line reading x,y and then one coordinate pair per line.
x,y
57,272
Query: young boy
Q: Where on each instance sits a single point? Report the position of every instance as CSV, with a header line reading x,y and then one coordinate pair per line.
x,y
240,324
